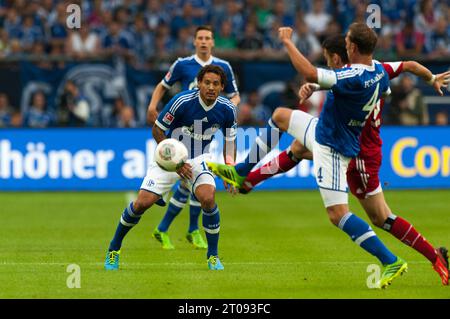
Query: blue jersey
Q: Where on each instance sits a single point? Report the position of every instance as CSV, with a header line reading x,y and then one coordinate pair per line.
x,y
355,91
188,119
185,70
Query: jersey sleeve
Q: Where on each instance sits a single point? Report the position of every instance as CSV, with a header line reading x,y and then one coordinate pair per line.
x,y
231,86
338,80
173,75
166,118
230,128
393,69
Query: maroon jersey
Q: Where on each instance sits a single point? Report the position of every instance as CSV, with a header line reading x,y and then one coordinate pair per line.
x,y
362,172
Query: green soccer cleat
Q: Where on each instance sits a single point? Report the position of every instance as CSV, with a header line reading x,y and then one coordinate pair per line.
x,y
391,272
196,239
227,173
112,260
163,238
214,263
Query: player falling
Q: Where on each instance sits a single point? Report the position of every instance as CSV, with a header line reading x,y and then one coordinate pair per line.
x,y
192,117
363,171
333,138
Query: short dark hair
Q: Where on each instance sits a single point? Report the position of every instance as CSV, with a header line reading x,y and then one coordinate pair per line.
x,y
204,27
336,44
364,37
212,69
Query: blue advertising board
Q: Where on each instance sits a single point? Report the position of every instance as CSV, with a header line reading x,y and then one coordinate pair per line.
x,y
117,159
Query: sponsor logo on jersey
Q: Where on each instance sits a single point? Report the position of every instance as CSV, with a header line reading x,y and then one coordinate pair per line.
x,y
168,118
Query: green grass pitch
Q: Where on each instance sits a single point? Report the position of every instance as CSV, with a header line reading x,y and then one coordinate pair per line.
x,y
272,244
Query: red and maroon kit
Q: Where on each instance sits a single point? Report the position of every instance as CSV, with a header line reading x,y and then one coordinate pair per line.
x,y
363,170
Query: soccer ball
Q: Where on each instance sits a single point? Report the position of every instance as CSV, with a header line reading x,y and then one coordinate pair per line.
x,y
171,154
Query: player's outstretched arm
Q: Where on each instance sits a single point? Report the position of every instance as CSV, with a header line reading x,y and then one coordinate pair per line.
x,y
235,99
301,64
437,81
152,113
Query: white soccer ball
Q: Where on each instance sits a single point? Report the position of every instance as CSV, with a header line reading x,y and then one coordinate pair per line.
x,y
171,154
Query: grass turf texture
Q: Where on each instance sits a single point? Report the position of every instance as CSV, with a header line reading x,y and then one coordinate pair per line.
x,y
272,244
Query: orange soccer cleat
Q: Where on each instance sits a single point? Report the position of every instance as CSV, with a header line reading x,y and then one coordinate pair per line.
x,y
441,264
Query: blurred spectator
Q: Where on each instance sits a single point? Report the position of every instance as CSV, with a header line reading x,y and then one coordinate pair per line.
x,y
37,115
58,31
407,105
251,39
83,43
16,119
385,50
280,13
74,109
225,40
29,33
5,44
441,118
306,42
263,15
143,41
185,42
155,15
318,19
272,44
252,112
5,111
440,40
425,21
117,41
126,118
409,42
234,14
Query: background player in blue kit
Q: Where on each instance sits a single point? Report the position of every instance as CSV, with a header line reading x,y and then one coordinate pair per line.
x,y
192,117
354,92
185,70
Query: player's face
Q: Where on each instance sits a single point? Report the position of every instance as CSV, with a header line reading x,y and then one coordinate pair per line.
x,y
210,87
204,42
333,60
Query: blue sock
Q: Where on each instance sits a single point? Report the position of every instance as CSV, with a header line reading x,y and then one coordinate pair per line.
x,y
211,224
363,235
127,221
194,213
176,204
267,139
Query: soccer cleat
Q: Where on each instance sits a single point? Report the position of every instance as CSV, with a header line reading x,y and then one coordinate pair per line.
x,y
227,173
163,238
214,263
391,272
441,264
196,239
112,260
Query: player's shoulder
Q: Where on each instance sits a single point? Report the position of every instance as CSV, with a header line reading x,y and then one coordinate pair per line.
x,y
221,62
184,60
227,104
182,98
349,72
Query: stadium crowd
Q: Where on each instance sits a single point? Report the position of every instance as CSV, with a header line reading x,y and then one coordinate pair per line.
x,y
145,31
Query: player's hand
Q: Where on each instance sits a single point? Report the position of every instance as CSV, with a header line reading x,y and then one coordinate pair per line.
x,y
152,115
285,34
306,90
185,171
442,80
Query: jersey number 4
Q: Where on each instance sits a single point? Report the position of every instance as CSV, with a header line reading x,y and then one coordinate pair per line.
x,y
374,103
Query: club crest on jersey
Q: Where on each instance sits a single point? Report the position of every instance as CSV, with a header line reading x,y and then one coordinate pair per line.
x,y
168,118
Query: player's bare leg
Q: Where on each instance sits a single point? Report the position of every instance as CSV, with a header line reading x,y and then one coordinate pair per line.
x,y
205,194
381,216
130,217
284,162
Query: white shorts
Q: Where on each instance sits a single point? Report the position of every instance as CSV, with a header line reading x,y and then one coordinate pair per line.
x,y
330,167
160,182
302,126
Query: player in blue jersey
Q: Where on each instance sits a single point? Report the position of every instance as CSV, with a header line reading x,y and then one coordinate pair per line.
x,y
193,117
185,70
354,92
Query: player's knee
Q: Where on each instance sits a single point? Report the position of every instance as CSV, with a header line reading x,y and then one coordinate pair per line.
x,y
281,117
208,202
144,202
335,213
298,150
